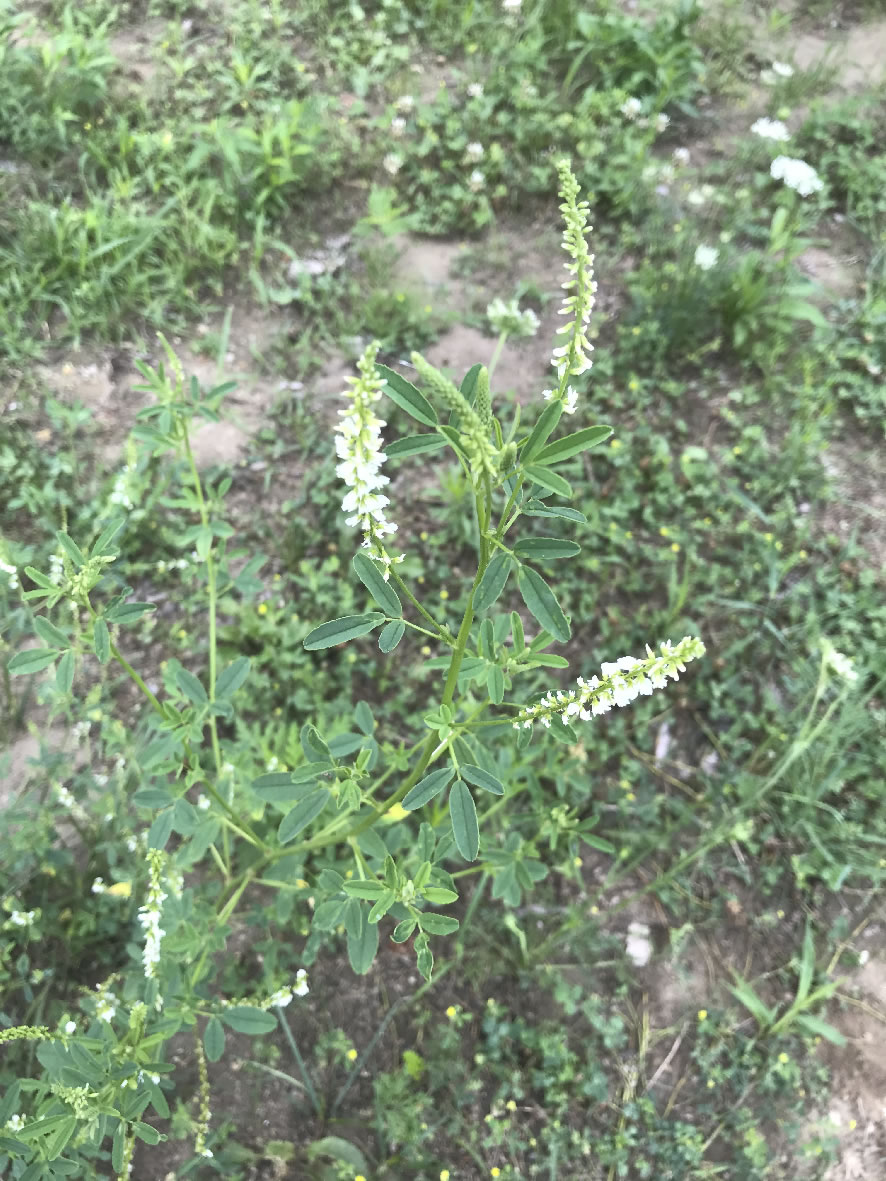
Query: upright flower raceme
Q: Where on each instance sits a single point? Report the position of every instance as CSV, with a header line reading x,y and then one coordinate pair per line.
x,y
620,683
149,914
358,445
572,358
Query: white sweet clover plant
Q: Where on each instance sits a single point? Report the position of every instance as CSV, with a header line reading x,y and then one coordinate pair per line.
x,y
452,780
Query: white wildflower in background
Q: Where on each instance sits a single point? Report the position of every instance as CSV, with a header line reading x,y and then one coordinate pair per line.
x,y
796,174
98,886
106,1007
620,683
782,70
16,1122
358,445
638,945
511,6
10,571
149,914
22,918
771,129
662,122
680,156
119,495
477,180
204,803
509,318
283,996
405,103
706,257
398,125
838,662
631,108
70,1027
392,163
474,152
475,90
572,359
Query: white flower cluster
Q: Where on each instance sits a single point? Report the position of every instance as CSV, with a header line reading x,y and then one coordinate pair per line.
x,y
570,398
572,359
106,1006
475,152
510,318
21,918
358,445
771,129
838,662
796,174
706,257
777,70
282,997
621,682
392,163
477,181
12,574
632,108
119,495
149,914
16,1122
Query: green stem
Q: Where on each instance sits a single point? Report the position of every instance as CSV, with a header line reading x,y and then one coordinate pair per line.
x,y
443,632
496,355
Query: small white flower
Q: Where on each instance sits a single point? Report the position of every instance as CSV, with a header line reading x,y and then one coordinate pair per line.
x,y
392,163
638,946
838,662
405,103
475,152
301,983
706,257
398,125
796,174
477,180
680,156
771,129
570,400
475,90
272,764
98,886
22,918
12,572
511,5
631,108
204,803
280,999
782,70
661,122
16,1122
105,1010
70,1027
